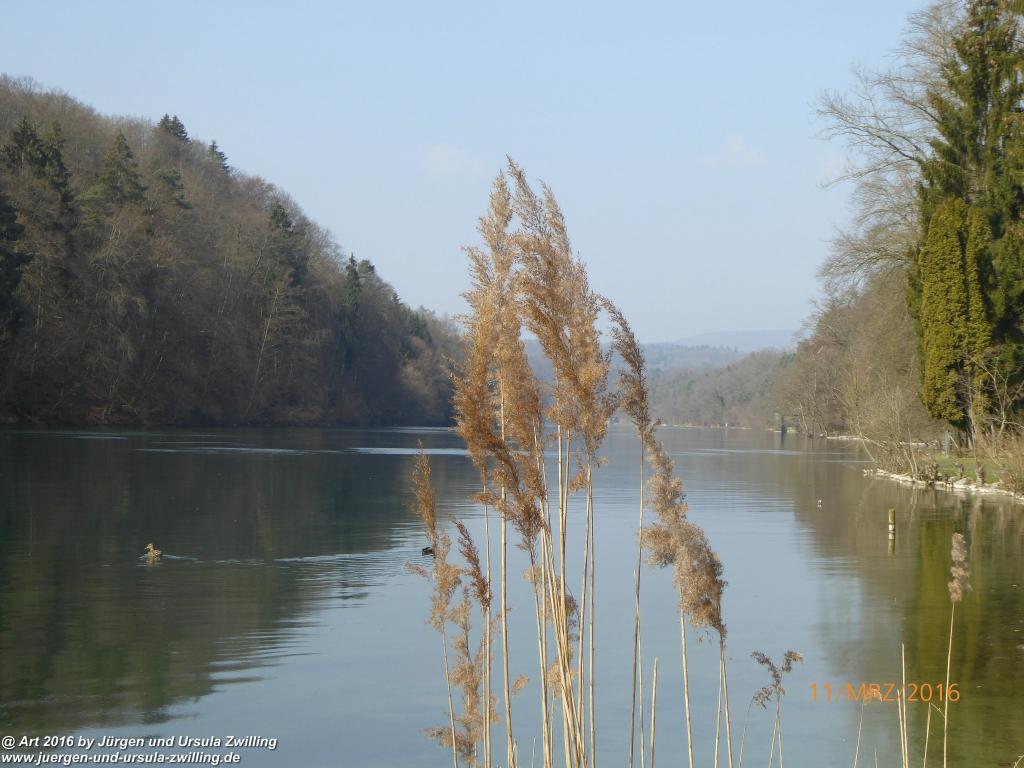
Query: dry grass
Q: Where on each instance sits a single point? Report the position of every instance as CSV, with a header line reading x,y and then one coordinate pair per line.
x,y
526,279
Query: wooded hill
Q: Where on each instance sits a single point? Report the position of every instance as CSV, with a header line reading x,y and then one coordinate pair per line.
x,y
921,329
145,280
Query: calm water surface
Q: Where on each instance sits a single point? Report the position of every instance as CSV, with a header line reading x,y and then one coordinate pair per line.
x,y
283,608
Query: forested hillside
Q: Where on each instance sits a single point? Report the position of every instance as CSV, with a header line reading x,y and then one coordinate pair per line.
x,y
145,280
921,331
742,393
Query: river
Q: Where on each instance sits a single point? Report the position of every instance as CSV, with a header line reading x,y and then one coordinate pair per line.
x,y
283,609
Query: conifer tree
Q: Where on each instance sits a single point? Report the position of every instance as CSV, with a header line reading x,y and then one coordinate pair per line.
x,y
978,158
57,172
171,188
219,157
286,244
118,185
955,331
12,261
25,148
43,156
173,126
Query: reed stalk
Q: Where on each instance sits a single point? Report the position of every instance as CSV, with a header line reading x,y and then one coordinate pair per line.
x,y
509,740
927,733
743,735
902,729
636,620
725,689
654,709
902,702
640,677
860,728
593,593
451,706
718,717
775,732
487,620
945,703
686,691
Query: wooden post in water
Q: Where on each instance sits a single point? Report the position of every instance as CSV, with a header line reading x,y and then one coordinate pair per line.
x,y
892,531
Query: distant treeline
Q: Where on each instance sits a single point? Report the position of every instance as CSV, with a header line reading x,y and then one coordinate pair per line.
x,y
742,393
145,280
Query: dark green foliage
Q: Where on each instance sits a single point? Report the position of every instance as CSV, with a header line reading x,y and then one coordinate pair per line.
x,y
165,289
25,148
286,245
219,157
171,125
954,327
978,159
170,187
12,261
119,184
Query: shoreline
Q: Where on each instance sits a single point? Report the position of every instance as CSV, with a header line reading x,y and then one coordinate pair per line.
x,y
962,486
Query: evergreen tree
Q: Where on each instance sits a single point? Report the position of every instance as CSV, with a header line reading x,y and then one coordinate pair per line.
x,y
42,156
25,148
119,183
219,157
12,261
56,171
173,126
955,331
978,158
286,244
171,188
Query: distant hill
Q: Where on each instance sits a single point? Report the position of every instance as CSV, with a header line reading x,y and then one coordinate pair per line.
x,y
660,357
739,394
744,341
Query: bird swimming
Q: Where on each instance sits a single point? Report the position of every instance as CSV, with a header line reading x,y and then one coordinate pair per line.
x,y
427,551
152,553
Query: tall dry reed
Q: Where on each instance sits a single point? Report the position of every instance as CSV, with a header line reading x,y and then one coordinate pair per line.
x,y
446,581
957,586
525,279
633,400
775,691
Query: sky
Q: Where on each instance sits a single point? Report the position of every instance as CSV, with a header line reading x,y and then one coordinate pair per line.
x,y
680,138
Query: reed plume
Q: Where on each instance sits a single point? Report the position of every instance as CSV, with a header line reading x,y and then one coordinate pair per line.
x,y
497,408
633,399
559,308
446,579
526,279
774,690
697,571
957,587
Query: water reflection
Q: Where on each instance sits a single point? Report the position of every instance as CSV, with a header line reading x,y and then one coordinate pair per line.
x,y
255,539
282,606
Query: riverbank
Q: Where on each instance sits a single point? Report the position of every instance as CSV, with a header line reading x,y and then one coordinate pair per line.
x,y
962,485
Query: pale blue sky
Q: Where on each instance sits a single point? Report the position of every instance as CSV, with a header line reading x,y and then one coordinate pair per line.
x,y
679,137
